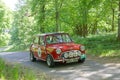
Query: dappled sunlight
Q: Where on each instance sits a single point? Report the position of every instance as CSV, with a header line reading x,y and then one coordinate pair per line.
x,y
112,64
86,72
63,71
90,70
15,58
8,48
109,53
8,53
2,77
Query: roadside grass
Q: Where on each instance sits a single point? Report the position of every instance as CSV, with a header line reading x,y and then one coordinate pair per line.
x,y
16,72
102,45
14,47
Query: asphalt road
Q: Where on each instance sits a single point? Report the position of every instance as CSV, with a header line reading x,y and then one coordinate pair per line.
x,y
90,70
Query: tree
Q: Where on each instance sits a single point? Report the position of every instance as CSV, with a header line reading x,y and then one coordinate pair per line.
x,y
57,15
78,17
22,26
119,22
5,16
38,11
58,5
109,8
82,16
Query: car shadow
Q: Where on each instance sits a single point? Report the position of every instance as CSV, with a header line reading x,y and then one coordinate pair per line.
x,y
57,64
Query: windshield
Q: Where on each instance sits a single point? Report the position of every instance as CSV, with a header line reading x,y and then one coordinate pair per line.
x,y
59,38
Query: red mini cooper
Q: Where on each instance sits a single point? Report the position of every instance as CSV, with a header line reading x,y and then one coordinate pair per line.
x,y
56,47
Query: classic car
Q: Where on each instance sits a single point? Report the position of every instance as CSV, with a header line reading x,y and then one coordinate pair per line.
x,y
56,47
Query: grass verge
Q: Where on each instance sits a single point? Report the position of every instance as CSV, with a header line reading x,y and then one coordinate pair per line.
x,y
13,48
16,72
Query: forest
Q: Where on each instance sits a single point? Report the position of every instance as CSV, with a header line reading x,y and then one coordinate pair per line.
x,y
90,22
93,23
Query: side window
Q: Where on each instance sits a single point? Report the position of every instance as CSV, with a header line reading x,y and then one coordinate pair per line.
x,y
42,40
36,40
49,39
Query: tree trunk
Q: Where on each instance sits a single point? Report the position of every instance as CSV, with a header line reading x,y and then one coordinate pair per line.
x,y
42,29
57,21
94,29
85,20
85,30
78,30
56,15
113,27
113,15
119,23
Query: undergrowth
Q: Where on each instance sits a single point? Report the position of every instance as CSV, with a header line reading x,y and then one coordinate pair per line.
x,y
104,45
16,72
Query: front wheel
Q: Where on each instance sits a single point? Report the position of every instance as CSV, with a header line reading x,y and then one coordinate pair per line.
x,y
32,58
50,61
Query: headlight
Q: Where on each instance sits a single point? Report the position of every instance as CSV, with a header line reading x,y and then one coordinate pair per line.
x,y
71,54
82,48
58,51
66,55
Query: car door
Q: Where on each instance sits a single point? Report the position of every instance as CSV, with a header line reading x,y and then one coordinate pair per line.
x,y
35,46
41,49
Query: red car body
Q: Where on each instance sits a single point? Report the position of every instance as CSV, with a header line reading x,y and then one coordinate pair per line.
x,y
56,47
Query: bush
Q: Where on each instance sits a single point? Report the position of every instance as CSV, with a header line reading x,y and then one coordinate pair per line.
x,y
102,45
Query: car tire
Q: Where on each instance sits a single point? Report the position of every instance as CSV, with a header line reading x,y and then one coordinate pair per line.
x,y
50,61
32,58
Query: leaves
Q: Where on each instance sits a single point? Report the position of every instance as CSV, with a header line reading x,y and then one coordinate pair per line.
x,y
5,20
78,17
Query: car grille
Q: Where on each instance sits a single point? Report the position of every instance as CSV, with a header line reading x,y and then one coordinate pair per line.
x,y
70,54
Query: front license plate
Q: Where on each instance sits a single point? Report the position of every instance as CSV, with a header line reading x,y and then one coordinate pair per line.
x,y
71,60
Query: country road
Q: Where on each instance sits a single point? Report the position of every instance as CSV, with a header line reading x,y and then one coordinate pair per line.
x,y
90,70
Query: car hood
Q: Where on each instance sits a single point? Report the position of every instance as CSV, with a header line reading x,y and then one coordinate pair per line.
x,y
65,46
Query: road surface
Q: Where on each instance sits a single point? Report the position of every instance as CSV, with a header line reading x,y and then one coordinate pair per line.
x,y
90,70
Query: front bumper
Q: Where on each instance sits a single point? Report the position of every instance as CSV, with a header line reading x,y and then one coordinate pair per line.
x,y
70,60
83,56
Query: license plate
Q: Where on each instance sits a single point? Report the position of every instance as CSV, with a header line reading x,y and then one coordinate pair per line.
x,y
71,60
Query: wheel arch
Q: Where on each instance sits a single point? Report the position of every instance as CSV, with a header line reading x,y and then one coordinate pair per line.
x,y
50,55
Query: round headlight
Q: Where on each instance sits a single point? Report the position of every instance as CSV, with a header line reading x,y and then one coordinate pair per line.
x,y
71,54
58,51
66,55
82,48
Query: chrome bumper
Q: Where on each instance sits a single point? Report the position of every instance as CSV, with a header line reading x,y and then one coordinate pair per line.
x,y
83,56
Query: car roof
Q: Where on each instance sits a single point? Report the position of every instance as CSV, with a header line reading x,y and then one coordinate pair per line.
x,y
55,33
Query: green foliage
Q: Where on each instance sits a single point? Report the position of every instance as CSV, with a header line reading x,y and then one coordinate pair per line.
x,y
22,28
5,18
16,72
77,17
102,45
94,19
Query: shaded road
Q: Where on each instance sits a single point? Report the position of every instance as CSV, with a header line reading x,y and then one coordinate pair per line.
x,y
90,70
